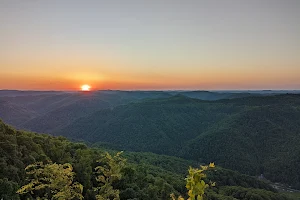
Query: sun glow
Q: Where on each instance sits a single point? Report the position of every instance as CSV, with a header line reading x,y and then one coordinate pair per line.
x,y
85,88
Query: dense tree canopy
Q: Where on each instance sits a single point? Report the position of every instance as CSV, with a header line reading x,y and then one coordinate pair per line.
x,y
145,176
253,135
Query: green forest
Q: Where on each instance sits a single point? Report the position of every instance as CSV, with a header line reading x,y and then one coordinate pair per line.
x,y
144,176
253,135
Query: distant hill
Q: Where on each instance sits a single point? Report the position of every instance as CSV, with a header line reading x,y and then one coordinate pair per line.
x,y
211,96
15,114
15,93
48,111
159,125
254,135
64,115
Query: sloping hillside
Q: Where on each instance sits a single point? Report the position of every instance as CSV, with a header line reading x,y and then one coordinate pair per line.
x,y
255,135
48,111
160,126
15,114
263,140
146,176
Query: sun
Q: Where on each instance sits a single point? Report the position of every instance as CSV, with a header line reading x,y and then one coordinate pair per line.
x,y
85,87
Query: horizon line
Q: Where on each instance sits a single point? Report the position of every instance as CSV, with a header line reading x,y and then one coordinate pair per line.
x,y
152,90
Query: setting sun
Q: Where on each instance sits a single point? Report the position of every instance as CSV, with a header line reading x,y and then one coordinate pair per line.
x,y
85,88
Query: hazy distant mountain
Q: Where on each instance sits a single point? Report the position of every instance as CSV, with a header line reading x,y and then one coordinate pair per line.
x,y
64,115
46,111
14,114
207,95
14,93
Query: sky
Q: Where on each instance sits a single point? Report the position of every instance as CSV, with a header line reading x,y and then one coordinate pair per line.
x,y
150,45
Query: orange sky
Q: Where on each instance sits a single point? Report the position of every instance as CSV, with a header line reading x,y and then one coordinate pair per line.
x,y
204,79
54,45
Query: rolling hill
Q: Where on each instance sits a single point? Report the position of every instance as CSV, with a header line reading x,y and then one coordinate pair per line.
x,y
15,114
48,111
254,135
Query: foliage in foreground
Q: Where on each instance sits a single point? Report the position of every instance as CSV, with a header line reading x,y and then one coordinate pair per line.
x,y
51,181
109,171
196,184
56,181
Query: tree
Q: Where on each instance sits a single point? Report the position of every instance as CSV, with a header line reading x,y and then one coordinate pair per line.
x,y
52,181
195,184
8,189
109,171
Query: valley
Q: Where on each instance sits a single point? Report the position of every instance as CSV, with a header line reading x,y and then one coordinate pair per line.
x,y
256,134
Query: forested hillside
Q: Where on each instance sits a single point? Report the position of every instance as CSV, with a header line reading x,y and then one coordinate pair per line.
x,y
146,176
48,111
207,95
14,113
254,135
263,140
160,126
